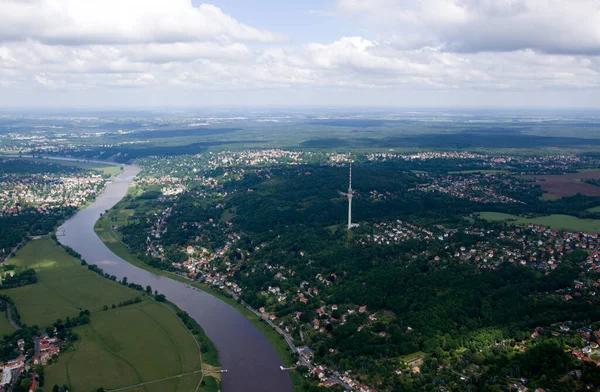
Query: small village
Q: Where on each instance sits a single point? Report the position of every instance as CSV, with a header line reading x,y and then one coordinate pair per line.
x,y
47,191
41,351
517,164
479,188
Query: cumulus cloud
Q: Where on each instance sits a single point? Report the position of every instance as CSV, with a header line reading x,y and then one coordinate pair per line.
x,y
350,62
551,26
44,81
356,61
155,48
77,22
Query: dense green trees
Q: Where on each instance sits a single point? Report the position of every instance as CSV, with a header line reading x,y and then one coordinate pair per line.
x,y
14,229
292,221
18,278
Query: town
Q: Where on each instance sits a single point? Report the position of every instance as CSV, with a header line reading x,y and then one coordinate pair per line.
x,y
302,307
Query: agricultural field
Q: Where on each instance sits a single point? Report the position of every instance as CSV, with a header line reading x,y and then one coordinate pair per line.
x,y
110,170
107,169
563,222
478,172
133,344
63,286
568,184
156,346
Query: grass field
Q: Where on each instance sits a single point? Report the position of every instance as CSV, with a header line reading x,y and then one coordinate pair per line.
x,y
564,222
477,171
63,287
568,184
595,209
414,356
104,168
104,231
132,344
5,327
155,346
549,197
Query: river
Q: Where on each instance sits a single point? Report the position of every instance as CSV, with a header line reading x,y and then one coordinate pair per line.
x,y
251,361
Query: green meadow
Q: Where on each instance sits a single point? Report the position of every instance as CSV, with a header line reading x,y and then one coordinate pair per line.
x,y
132,345
63,287
124,346
103,168
562,222
5,327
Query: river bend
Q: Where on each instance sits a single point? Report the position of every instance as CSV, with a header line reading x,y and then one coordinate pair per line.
x,y
251,361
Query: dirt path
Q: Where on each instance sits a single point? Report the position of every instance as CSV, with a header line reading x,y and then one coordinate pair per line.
x,y
10,319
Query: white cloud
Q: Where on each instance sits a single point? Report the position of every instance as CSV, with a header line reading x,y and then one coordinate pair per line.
x,y
169,48
350,62
361,62
42,79
551,26
78,22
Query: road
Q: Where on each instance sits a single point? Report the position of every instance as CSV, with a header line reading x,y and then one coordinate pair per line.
x,y
159,380
10,318
287,337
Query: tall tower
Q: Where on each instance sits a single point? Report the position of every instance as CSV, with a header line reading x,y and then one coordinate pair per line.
x,y
350,200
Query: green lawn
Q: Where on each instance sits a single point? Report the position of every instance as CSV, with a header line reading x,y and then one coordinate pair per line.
x,y
227,215
414,356
594,209
563,222
5,327
120,347
104,168
63,287
154,346
488,171
549,197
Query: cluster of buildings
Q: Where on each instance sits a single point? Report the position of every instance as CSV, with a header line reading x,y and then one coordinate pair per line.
x,y
202,261
187,166
375,195
387,233
590,352
11,370
517,164
255,158
202,169
327,377
534,246
479,188
47,191
45,348
422,156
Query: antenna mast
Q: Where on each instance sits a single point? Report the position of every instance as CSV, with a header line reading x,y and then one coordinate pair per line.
x,y
350,200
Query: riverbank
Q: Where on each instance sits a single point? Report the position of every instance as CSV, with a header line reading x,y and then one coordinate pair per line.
x,y
113,340
252,362
103,229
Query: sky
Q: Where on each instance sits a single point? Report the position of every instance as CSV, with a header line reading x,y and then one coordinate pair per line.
x,y
389,53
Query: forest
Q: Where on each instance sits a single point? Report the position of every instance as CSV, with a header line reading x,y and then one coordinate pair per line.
x,y
460,316
29,222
